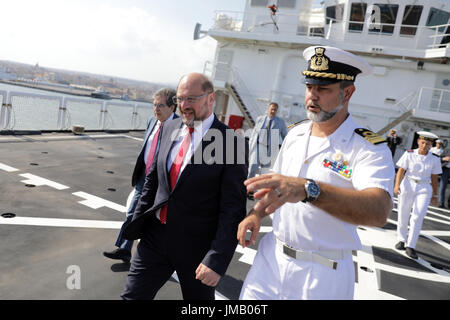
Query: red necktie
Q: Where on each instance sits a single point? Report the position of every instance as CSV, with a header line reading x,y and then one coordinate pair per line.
x,y
151,153
175,169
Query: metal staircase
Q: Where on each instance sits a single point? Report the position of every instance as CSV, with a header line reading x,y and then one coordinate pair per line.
x,y
404,105
238,100
242,97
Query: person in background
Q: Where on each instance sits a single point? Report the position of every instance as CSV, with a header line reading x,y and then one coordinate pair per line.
x,y
417,168
267,128
444,154
393,140
163,109
438,149
329,177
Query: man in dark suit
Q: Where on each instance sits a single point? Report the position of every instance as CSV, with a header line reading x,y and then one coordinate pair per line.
x,y
164,109
192,201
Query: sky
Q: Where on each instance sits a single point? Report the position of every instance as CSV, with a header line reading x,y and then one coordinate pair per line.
x,y
145,40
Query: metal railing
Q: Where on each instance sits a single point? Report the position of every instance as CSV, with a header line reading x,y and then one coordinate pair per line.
x,y
420,37
433,99
251,103
40,112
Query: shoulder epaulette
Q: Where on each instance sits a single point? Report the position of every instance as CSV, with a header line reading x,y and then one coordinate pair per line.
x,y
370,136
434,154
410,150
296,123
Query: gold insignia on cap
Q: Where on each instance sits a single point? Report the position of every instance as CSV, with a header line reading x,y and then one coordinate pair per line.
x,y
319,62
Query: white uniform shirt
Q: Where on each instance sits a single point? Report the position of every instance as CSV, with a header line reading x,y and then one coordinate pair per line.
x,y
305,226
437,151
419,166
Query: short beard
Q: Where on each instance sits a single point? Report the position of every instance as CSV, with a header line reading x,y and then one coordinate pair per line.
x,y
323,115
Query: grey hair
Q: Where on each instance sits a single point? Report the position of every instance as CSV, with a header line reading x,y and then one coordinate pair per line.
x,y
344,84
167,93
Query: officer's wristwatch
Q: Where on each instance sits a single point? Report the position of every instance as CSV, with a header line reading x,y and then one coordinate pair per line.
x,y
312,191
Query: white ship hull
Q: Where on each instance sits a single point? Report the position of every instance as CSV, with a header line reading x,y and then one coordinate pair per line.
x,y
259,59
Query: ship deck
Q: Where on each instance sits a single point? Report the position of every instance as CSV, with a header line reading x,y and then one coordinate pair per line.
x,y
67,195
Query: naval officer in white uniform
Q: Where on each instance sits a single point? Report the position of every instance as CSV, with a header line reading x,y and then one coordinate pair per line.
x,y
416,184
329,177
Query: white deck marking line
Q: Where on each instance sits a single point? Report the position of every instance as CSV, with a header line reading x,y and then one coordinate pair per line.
x,y
218,295
431,234
386,239
134,138
368,284
6,168
39,181
54,222
248,254
429,206
437,240
439,215
96,202
367,280
367,294
430,218
440,276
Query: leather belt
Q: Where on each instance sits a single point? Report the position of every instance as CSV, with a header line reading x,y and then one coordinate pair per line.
x,y
326,257
418,181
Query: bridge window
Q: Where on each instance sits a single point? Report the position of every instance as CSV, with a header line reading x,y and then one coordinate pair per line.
x,y
335,13
259,3
357,13
388,15
438,17
411,17
290,4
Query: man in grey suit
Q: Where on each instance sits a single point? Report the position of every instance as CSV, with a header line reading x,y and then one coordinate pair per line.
x,y
164,109
266,139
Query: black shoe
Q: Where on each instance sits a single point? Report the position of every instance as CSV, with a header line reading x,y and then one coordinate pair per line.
x,y
410,252
400,246
118,254
441,205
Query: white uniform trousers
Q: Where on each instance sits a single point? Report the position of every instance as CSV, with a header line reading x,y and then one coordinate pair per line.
x,y
274,275
417,197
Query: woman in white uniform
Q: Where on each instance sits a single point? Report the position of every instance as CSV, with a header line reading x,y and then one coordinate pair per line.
x,y
417,168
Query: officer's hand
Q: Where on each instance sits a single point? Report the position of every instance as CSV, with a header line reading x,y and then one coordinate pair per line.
x,y
396,191
253,223
274,190
207,276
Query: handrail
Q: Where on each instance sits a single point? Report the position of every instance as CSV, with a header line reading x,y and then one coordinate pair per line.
x,y
252,106
18,114
237,20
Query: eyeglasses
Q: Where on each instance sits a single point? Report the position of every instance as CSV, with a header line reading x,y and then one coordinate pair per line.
x,y
159,105
190,99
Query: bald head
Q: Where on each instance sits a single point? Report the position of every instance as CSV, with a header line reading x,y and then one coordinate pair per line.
x,y
200,79
195,95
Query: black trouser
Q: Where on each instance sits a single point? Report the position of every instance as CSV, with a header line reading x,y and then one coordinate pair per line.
x,y
152,267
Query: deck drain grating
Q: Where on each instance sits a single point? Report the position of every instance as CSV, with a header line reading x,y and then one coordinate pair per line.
x,y
8,215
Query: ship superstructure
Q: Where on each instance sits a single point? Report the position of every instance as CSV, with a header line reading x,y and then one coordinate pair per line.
x,y
259,59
